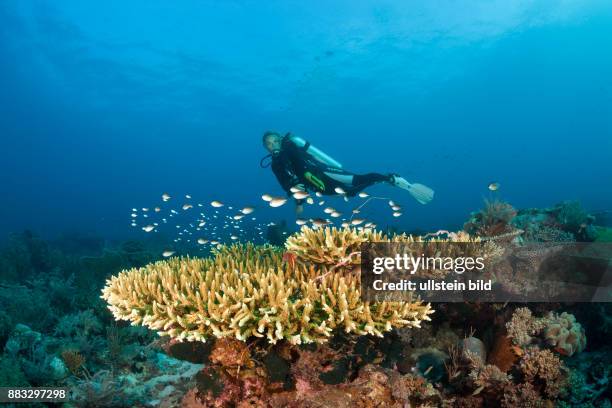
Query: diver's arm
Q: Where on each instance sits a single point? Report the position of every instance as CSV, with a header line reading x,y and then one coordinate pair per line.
x,y
285,178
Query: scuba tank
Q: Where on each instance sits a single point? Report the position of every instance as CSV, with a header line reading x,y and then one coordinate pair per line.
x,y
319,155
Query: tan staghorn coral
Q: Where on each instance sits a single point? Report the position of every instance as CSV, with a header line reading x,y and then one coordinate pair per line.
x,y
335,247
247,291
331,246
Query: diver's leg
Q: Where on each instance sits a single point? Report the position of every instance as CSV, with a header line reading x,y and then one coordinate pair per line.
x,y
354,183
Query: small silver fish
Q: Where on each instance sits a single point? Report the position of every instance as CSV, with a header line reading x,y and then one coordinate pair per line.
x,y
301,221
310,201
238,216
187,196
295,189
247,210
157,209
267,197
166,197
148,228
357,221
396,208
277,201
319,222
300,195
335,214
363,194
166,254
397,214
328,210
494,186
339,190
216,204
187,206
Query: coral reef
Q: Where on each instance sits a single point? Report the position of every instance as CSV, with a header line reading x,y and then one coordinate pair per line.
x,y
56,331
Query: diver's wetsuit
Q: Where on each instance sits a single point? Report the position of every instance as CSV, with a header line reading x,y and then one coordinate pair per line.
x,y
293,165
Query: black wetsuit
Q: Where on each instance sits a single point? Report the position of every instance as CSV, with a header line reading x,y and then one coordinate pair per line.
x,y
293,165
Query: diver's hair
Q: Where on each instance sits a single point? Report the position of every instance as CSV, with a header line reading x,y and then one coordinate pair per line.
x,y
268,134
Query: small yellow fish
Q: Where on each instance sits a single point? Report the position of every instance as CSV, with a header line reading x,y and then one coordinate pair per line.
x,y
216,204
494,186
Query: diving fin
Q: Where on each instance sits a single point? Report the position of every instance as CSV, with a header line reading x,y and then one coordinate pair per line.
x,y
419,192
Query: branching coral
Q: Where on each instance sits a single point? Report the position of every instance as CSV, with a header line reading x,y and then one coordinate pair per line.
x,y
542,366
341,247
523,326
331,246
247,291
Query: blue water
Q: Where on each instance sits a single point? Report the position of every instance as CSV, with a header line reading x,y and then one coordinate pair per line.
x,y
104,106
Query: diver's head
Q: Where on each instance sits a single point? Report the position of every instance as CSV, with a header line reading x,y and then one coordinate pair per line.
x,y
272,142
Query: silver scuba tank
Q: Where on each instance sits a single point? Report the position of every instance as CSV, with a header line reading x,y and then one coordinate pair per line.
x,y
319,155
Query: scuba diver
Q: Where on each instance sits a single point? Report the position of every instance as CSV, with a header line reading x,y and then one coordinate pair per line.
x,y
296,163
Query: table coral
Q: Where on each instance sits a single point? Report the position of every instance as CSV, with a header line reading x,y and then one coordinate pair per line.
x,y
247,291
